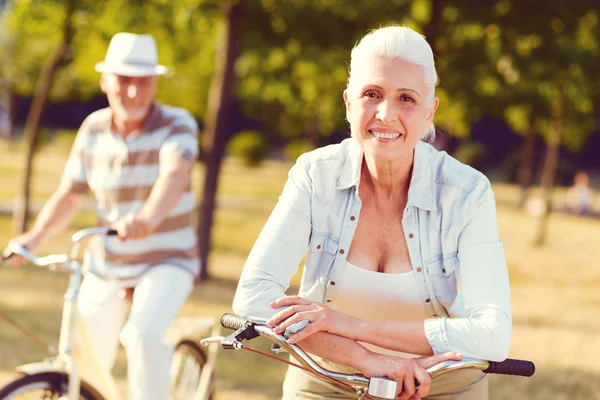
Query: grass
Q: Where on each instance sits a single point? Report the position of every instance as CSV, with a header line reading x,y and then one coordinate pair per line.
x,y
555,298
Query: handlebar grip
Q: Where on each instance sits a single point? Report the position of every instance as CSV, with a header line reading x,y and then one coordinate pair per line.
x,y
112,232
511,367
234,322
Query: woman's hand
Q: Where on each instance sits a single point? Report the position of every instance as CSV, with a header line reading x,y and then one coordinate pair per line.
x,y
321,317
408,372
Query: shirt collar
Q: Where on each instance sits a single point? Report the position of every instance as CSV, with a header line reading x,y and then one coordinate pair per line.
x,y
350,175
421,192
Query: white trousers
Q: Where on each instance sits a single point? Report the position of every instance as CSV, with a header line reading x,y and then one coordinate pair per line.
x,y
158,296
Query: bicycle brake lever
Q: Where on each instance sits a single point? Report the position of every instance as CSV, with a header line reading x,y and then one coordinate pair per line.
x,y
213,339
231,342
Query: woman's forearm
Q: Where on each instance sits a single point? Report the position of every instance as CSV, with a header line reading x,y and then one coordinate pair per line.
x,y
407,337
337,349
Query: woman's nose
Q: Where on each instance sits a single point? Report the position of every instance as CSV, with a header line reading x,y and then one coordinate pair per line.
x,y
386,112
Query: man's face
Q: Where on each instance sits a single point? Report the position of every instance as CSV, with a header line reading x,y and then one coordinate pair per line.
x,y
129,97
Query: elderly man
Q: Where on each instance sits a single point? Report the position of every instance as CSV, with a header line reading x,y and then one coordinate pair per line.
x,y
135,157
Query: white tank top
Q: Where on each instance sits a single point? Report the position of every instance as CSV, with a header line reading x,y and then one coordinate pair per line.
x,y
371,295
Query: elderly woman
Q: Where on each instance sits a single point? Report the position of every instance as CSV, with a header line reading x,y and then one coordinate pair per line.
x,y
404,258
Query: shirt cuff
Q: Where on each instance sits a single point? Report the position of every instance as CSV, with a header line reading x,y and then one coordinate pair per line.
x,y
435,333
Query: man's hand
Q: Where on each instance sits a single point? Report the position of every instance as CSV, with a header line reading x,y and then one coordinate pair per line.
x,y
28,240
132,227
406,371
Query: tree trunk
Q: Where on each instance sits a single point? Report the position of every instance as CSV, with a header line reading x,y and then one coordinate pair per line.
x,y
6,120
525,171
431,30
218,128
551,163
43,87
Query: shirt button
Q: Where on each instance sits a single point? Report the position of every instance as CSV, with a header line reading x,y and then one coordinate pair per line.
x,y
329,301
435,315
411,235
352,218
342,251
331,283
428,301
318,246
419,269
444,270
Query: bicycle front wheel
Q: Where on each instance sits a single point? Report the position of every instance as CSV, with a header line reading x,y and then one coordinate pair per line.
x,y
45,386
186,368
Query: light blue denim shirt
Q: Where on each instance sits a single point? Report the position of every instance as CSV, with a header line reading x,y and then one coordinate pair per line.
x,y
451,232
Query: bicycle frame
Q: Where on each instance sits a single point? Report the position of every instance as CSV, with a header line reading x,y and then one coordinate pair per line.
x,y
66,359
75,349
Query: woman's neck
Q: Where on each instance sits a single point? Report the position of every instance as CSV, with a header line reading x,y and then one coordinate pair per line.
x,y
387,179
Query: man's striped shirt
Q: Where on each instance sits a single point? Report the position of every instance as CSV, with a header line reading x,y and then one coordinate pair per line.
x,y
121,173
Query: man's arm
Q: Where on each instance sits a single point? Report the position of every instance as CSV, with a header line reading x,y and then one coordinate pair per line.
x,y
53,219
173,178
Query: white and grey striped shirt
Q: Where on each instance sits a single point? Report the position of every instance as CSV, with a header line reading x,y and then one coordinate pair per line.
x,y
121,173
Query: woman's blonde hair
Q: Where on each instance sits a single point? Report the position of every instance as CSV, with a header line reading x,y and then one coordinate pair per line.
x,y
396,42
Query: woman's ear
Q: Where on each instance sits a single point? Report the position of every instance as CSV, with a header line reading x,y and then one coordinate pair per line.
x,y
347,102
431,112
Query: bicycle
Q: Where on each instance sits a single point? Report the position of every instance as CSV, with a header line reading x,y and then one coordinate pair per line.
x,y
58,377
365,388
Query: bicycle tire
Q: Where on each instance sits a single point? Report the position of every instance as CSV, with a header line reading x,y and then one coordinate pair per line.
x,y
188,362
51,385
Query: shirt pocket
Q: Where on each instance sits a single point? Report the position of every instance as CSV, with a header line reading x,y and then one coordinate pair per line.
x,y
321,254
443,272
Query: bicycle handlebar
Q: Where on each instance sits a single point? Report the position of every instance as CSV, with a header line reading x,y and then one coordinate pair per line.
x,y
247,330
56,259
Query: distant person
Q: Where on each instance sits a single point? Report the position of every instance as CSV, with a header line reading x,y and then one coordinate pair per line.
x,y
580,196
135,157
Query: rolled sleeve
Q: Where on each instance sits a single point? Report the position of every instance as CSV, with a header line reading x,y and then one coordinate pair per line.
x,y
435,332
182,142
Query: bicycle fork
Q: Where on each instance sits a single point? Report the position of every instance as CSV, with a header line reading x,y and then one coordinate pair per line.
x,y
67,332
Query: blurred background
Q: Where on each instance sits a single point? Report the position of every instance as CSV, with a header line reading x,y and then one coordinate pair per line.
x,y
519,100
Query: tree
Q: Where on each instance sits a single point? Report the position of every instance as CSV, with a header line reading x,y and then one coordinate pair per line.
x,y
546,59
218,128
42,90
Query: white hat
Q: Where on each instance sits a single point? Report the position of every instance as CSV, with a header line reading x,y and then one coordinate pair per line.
x,y
132,55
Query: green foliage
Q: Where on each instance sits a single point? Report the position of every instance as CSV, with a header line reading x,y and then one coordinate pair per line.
x,y
501,57
471,153
249,146
295,149
184,31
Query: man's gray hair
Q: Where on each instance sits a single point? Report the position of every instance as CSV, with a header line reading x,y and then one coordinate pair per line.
x,y
397,42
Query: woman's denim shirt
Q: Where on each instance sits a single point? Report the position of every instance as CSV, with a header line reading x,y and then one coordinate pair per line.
x,y
450,228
